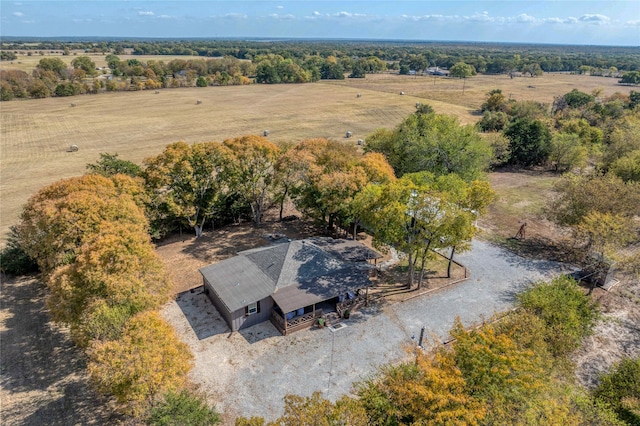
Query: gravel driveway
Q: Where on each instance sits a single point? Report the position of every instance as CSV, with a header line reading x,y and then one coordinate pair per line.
x,y
249,372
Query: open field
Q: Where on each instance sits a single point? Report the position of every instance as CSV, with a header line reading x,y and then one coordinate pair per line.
x,y
34,134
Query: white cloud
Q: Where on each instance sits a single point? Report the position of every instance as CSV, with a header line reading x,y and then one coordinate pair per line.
x,y
348,15
635,23
165,16
279,7
523,17
18,14
145,13
595,19
235,16
287,17
316,13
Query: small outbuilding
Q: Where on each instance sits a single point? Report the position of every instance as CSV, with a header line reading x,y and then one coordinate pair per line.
x,y
291,283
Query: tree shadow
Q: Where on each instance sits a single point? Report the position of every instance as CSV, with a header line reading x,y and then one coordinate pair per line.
x,y
542,248
41,365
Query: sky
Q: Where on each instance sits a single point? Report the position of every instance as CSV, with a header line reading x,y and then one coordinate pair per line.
x,y
614,23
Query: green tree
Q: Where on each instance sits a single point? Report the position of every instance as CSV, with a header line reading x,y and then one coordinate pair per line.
x,y
495,101
566,310
86,64
631,77
55,65
620,389
109,165
358,71
578,99
566,152
13,259
112,61
627,168
434,143
201,82
461,70
182,408
530,142
580,195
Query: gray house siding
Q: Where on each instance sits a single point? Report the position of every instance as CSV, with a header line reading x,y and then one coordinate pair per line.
x,y
208,289
238,319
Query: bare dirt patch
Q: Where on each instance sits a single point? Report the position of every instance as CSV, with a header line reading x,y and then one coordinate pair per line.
x,y
43,377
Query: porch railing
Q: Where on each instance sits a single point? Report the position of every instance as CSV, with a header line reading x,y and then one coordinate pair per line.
x,y
350,305
296,323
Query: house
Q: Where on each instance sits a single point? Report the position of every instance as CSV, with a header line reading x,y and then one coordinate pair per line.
x,y
291,283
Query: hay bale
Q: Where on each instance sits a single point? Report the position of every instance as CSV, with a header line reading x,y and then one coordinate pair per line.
x,y
72,148
358,95
157,91
417,104
348,135
402,93
198,102
265,133
360,141
72,105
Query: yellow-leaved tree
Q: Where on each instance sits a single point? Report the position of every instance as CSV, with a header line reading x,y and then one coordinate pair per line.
x,y
148,360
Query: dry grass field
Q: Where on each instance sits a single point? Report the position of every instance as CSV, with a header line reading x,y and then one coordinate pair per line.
x,y
35,134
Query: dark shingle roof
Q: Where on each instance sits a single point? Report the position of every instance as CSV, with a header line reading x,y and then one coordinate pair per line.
x,y
296,274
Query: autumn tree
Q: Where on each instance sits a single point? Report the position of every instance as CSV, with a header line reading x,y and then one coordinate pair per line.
x,y
185,181
116,274
56,221
334,174
252,172
431,390
147,361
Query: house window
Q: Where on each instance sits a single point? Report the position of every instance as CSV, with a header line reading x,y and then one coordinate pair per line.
x,y
253,308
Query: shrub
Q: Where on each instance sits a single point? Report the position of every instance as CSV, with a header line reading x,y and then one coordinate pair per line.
x,y
184,408
620,389
568,312
13,259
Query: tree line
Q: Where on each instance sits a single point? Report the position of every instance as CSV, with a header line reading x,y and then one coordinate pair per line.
x,y
241,62
485,57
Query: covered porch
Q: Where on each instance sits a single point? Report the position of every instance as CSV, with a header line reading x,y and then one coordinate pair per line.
x,y
300,306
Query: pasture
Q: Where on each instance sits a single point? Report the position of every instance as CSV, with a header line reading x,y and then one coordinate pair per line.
x,y
35,134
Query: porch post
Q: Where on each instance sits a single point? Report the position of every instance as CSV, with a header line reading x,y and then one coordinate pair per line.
x,y
366,297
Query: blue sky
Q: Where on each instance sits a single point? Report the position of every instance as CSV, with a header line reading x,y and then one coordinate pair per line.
x,y
529,21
